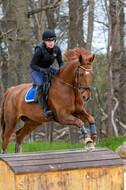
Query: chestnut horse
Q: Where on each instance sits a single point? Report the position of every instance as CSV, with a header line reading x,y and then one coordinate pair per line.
x,y
70,87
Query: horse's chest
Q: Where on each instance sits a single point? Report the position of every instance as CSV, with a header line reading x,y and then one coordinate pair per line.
x,y
79,104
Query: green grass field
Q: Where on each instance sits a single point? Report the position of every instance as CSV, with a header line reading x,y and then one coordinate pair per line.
x,y
110,143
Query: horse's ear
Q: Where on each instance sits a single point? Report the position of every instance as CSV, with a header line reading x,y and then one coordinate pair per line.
x,y
91,58
80,58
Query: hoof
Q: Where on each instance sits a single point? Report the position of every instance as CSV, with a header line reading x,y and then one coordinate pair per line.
x,y
89,145
3,151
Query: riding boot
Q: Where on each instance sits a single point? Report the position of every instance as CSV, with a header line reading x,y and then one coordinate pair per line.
x,y
42,101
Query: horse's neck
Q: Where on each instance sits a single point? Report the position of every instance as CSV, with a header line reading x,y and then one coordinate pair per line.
x,y
67,72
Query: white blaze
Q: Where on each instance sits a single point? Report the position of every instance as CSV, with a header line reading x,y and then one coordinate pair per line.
x,y
86,72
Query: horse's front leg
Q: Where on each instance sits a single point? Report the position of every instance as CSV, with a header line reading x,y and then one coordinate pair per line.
x,y
66,119
84,116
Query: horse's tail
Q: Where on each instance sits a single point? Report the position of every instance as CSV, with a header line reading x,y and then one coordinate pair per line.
x,y
2,122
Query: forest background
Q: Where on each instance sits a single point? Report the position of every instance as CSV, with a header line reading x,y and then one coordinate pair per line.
x,y
96,25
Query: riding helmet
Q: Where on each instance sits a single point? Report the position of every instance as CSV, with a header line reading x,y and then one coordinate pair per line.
x,y
49,35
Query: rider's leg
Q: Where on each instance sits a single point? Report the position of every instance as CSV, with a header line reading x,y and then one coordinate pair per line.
x,y
37,77
43,103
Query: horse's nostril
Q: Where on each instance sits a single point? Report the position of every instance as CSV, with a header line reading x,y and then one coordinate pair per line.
x,y
85,98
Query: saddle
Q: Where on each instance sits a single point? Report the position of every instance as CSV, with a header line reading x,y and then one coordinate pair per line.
x,y
31,95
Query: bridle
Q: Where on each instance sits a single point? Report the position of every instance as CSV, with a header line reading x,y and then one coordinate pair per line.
x,y
77,72
83,87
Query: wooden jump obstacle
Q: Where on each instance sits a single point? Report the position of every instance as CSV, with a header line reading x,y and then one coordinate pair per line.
x,y
62,170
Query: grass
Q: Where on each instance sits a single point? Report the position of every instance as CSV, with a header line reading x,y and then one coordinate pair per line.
x,y
43,146
111,143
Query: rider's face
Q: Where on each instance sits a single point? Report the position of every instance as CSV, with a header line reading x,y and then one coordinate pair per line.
x,y
50,44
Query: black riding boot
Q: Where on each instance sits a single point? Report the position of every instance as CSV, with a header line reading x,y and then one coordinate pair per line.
x,y
42,101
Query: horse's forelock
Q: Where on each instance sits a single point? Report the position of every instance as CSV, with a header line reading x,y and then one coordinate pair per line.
x,y
75,53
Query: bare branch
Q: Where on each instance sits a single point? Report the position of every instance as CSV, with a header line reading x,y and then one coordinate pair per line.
x,y
104,114
36,16
6,9
121,124
122,2
99,103
61,130
109,31
60,133
7,20
54,5
5,33
100,22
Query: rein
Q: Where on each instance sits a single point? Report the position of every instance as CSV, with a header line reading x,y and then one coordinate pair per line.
x,y
78,87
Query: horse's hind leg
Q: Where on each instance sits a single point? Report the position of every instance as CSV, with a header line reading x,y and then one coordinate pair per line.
x,y
10,125
28,127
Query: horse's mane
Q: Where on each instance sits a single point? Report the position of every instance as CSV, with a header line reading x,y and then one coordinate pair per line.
x,y
72,54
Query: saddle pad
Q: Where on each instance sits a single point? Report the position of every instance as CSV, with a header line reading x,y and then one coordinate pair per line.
x,y
29,97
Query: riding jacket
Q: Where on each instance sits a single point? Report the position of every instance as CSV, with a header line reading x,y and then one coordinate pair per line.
x,y
44,57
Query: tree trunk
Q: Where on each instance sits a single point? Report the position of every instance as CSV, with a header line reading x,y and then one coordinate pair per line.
x,y
9,28
1,81
48,132
1,87
116,52
50,15
122,98
74,135
90,24
23,41
79,24
115,67
72,43
76,32
110,81
18,41
40,20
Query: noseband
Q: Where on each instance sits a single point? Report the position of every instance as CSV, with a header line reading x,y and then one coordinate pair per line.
x,y
77,72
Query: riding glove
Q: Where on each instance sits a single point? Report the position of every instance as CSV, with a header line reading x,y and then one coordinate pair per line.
x,y
46,71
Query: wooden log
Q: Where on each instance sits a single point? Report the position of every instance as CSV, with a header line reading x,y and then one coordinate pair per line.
x,y
62,170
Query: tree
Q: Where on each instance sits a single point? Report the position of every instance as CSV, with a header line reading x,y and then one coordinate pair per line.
x,y
90,24
18,40
40,19
122,89
8,28
23,41
114,66
76,36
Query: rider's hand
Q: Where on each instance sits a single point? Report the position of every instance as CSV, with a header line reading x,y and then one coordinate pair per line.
x,y
46,71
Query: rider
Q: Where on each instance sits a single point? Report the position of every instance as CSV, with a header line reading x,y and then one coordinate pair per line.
x,y
44,56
